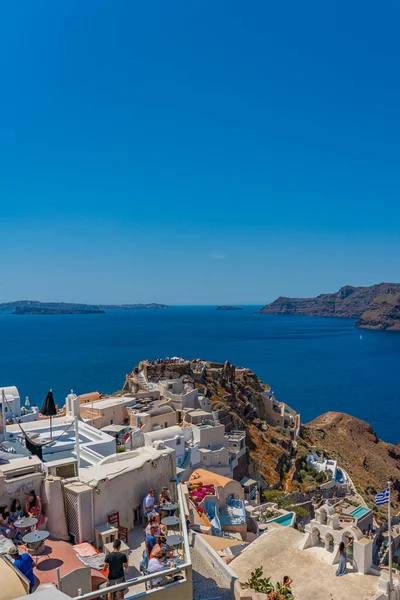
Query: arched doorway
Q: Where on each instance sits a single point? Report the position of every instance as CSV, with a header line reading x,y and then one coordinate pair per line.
x,y
316,537
329,542
323,516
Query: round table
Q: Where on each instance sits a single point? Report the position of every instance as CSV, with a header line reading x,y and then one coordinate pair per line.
x,y
25,522
34,541
169,507
170,521
174,540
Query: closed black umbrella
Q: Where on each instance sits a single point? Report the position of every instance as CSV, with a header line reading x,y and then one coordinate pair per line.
x,y
49,408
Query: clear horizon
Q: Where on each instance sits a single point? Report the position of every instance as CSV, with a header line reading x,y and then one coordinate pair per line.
x,y
197,154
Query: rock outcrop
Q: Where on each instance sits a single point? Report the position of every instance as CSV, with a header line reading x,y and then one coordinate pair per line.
x,y
374,307
369,461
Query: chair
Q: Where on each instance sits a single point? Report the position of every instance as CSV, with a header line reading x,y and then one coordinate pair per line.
x,y
113,519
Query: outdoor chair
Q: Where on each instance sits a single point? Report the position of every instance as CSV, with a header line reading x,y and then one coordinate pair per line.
x,y
113,519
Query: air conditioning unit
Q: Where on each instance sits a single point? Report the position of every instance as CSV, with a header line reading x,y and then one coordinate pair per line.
x,y
78,500
11,474
65,471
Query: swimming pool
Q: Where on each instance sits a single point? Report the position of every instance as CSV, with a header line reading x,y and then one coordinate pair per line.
x,y
340,476
285,520
359,512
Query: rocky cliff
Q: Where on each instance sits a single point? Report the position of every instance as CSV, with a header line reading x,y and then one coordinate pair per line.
x,y
369,461
374,307
236,395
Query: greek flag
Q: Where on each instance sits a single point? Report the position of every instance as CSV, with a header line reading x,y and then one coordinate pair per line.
x,y
382,497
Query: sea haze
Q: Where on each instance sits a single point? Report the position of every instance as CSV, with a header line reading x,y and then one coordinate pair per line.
x,y
313,364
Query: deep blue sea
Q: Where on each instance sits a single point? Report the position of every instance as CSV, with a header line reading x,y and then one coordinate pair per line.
x,y
313,364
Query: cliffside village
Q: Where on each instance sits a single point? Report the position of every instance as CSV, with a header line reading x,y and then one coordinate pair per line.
x,y
158,473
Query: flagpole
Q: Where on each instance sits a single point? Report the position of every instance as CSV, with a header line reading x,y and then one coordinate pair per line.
x,y
390,544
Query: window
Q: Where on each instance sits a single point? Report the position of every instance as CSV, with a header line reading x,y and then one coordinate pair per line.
x,y
165,425
178,441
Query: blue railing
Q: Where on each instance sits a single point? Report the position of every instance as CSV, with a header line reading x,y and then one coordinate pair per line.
x,y
234,514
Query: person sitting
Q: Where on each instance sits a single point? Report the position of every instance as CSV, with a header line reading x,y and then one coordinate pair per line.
x,y
153,521
6,526
151,540
149,504
24,563
33,507
162,546
16,511
164,496
287,582
157,564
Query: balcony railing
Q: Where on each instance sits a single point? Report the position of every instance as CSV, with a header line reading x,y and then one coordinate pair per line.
x,y
234,513
185,568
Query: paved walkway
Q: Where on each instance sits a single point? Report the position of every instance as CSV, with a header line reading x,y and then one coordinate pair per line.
x,y
205,585
277,551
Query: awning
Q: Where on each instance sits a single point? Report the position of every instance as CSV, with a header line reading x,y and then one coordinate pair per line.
x,y
247,482
114,428
220,543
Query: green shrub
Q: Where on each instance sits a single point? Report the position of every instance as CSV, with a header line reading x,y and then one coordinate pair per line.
x,y
263,585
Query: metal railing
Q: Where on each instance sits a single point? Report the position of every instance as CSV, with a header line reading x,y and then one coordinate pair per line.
x,y
146,578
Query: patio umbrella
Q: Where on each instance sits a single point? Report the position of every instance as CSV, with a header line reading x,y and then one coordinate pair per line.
x,y
49,408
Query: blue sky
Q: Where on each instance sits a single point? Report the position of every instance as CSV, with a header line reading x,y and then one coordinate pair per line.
x,y
197,152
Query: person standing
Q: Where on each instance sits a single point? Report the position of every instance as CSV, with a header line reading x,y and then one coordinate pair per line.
x,y
341,570
116,563
24,563
33,508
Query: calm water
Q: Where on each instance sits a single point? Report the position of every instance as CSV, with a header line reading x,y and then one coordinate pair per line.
x,y
313,364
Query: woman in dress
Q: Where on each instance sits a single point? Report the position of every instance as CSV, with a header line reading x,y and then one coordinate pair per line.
x,y
33,507
341,570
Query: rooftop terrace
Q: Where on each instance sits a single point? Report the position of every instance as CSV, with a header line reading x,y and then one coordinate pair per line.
x,y
277,551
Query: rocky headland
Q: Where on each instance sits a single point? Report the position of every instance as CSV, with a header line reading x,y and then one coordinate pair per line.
x,y
369,461
34,307
273,457
374,307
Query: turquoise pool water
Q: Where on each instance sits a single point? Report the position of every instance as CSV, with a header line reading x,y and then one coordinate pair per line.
x,y
340,477
359,512
285,520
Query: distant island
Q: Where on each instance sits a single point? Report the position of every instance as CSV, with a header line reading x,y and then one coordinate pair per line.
x,y
374,307
33,307
151,306
229,308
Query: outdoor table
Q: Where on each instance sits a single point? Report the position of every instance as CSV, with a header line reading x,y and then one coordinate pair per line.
x,y
35,541
169,507
174,540
25,522
170,521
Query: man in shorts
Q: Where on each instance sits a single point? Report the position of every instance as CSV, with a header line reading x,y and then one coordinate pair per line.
x,y
116,563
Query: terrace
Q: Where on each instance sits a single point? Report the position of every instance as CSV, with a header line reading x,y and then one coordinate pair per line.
x,y
62,566
234,513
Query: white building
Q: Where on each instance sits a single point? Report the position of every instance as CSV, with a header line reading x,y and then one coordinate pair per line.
x,y
12,406
173,437
57,440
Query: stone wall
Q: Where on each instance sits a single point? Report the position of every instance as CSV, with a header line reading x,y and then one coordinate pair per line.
x,y
170,371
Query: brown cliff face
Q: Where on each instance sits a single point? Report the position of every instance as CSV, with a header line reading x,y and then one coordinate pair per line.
x,y
237,395
375,307
369,461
